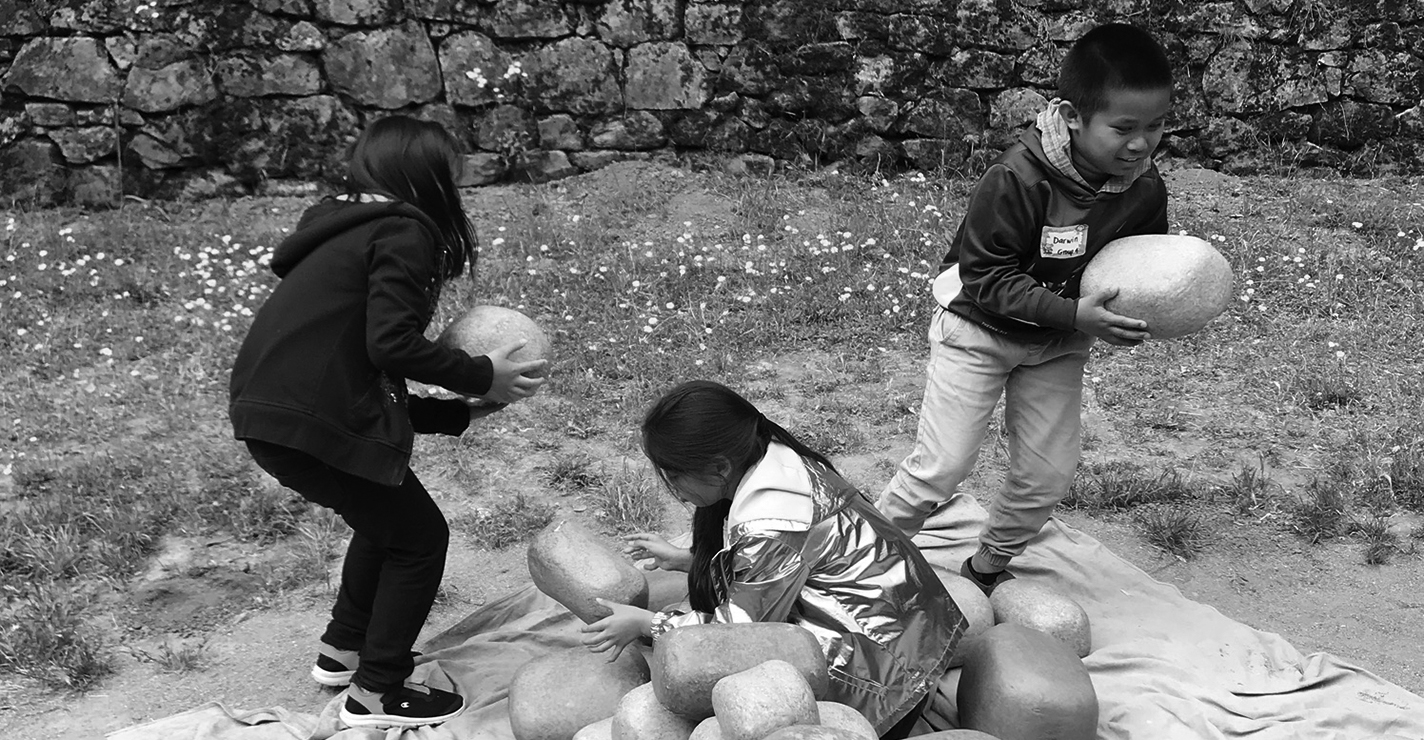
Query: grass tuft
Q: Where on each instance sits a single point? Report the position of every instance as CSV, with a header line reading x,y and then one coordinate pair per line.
x,y
1320,514
572,473
48,639
508,522
630,501
175,654
1247,490
1381,543
1120,485
1175,529
1406,472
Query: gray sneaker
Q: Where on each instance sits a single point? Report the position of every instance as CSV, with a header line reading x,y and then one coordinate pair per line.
x,y
409,705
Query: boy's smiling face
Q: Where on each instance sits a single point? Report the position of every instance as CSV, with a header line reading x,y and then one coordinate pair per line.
x,y
1113,141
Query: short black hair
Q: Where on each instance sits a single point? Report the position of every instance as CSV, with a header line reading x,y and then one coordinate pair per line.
x,y
1111,56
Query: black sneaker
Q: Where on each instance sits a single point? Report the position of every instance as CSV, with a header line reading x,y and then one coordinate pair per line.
x,y
334,667
410,705
985,582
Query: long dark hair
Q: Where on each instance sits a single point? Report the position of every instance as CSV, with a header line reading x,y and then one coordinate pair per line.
x,y
417,162
698,427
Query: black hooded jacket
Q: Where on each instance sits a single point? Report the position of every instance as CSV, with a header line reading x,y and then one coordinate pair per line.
x,y
323,368
1015,283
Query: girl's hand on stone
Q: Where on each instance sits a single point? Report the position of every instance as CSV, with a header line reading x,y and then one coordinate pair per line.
x,y
617,630
511,378
659,553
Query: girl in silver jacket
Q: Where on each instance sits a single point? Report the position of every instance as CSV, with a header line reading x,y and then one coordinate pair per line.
x,y
779,536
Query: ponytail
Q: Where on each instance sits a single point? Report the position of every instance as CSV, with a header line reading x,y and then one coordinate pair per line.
x,y
707,541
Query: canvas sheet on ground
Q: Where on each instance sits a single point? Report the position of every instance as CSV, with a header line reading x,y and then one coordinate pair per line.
x,y
1164,667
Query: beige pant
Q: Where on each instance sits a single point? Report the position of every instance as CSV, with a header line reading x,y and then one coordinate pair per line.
x,y
969,369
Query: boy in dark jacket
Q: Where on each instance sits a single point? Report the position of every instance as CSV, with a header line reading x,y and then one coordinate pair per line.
x,y
1010,321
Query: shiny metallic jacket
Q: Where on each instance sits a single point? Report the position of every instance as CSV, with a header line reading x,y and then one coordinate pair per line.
x,y
805,546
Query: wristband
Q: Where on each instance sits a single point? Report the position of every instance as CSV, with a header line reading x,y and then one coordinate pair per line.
x,y
660,624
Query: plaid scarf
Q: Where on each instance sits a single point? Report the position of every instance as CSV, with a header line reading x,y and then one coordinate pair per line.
x,y
1058,147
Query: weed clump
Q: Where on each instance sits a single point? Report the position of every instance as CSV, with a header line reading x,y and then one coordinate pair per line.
x,y
508,522
49,639
629,501
1119,485
1247,490
1175,529
1320,514
573,473
174,655
1380,543
1406,473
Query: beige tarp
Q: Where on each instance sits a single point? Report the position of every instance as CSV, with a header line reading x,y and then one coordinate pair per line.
x,y
1164,667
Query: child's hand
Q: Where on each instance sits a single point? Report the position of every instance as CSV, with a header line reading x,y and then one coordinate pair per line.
x,y
661,553
510,380
1093,318
617,630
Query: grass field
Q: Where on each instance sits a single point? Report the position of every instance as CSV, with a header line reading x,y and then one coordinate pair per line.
x,y
118,329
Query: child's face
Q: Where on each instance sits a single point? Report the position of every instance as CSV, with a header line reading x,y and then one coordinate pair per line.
x,y
699,490
1114,141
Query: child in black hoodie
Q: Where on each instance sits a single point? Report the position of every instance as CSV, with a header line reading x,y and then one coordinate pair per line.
x,y
318,394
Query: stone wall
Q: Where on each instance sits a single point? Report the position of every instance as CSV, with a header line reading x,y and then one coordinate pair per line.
x,y
183,98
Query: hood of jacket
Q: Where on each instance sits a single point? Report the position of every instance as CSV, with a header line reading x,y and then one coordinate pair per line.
x,y
1073,187
331,217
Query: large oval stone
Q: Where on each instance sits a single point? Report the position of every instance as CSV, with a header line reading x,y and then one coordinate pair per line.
x,y
754,703
1020,683
575,568
688,662
1046,609
640,716
1173,282
554,696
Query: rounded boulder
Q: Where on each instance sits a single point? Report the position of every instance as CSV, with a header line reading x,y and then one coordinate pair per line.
x,y
846,717
975,607
554,696
1176,283
640,716
573,566
753,703
483,329
812,732
1046,609
687,662
1020,683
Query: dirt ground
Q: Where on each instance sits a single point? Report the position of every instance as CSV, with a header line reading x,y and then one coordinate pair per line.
x,y
258,647
1321,598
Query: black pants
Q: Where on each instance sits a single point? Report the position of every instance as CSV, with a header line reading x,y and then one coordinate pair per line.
x,y
393,566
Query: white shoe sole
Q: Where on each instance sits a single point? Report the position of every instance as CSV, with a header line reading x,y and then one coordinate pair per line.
x,y
332,678
392,720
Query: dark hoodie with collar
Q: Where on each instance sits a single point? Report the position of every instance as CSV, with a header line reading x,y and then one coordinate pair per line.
x,y
323,368
1016,281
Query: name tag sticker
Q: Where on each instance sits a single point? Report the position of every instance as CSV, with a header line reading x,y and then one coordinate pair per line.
x,y
1063,242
